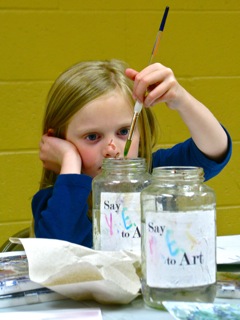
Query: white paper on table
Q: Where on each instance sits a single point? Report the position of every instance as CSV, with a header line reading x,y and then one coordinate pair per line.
x,y
64,314
228,249
81,273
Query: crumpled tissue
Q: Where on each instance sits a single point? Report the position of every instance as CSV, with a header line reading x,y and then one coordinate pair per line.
x,y
80,273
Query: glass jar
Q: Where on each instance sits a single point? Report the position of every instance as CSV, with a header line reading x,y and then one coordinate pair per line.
x,y
116,204
178,237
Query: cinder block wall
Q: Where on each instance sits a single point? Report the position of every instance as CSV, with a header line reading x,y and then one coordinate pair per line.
x,y
39,39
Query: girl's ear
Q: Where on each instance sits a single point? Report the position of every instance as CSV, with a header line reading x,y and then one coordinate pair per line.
x,y
50,132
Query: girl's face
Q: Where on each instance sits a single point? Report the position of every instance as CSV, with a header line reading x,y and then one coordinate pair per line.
x,y
100,130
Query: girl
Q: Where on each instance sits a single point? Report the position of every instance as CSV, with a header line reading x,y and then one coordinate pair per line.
x,y
88,116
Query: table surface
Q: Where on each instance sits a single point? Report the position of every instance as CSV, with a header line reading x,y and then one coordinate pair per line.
x,y
136,310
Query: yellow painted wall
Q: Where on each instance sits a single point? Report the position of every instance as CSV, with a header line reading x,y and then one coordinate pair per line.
x,y
40,38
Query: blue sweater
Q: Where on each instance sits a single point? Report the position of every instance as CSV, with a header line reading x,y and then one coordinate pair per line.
x,y
60,212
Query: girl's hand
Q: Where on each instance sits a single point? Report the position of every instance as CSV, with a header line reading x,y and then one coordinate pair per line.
x,y
59,156
155,84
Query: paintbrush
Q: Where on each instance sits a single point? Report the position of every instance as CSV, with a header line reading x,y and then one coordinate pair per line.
x,y
138,105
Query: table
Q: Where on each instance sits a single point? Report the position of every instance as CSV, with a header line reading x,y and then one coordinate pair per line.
x,y
136,310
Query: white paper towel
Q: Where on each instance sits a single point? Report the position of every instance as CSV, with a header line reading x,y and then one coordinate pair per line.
x,y
81,273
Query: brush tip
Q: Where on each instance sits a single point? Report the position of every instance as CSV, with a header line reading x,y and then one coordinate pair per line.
x,y
126,149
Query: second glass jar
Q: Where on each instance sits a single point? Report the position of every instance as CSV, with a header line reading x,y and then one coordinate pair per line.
x,y
178,237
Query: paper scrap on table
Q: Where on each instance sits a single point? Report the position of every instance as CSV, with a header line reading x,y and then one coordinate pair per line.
x,y
195,310
83,314
228,249
81,273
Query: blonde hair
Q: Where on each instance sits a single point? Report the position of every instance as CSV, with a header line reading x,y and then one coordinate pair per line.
x,y
82,83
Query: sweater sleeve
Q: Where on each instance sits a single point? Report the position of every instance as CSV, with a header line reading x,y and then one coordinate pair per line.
x,y
60,212
188,154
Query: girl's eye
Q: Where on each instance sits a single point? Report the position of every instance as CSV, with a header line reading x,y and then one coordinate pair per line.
x,y
92,137
123,132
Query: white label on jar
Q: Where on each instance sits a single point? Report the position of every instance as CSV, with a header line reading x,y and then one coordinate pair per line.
x,y
180,249
120,215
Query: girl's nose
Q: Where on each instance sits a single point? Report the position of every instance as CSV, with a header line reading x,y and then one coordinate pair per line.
x,y
110,151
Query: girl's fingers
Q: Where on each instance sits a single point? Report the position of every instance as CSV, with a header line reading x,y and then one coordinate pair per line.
x,y
153,84
131,73
147,80
158,94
